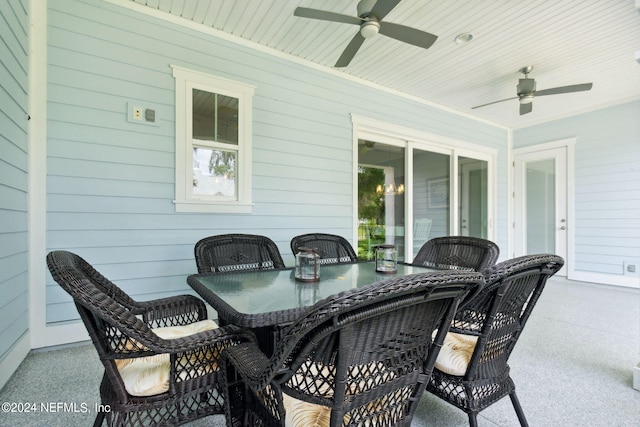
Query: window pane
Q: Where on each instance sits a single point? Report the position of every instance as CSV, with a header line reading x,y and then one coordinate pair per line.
x,y
215,117
214,172
473,197
227,119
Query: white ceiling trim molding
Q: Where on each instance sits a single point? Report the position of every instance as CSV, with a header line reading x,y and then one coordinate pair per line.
x,y
128,4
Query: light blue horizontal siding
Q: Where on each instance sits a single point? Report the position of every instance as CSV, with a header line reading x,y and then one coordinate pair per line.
x,y
607,183
111,182
14,64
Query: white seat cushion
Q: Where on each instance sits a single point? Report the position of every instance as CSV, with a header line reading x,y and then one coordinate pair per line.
x,y
305,414
455,353
147,376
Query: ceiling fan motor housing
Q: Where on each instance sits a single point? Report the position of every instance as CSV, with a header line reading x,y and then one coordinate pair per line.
x,y
526,88
364,8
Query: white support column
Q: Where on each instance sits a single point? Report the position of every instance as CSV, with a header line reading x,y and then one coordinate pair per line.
x,y
37,170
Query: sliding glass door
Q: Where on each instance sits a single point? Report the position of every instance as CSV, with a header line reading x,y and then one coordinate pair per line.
x,y
410,192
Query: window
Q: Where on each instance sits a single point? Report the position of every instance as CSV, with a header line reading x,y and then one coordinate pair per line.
x,y
213,143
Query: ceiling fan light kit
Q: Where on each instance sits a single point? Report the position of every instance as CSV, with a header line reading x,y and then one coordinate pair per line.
x,y
370,20
526,99
369,29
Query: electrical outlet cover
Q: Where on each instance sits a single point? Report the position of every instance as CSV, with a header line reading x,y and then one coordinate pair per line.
x,y
142,113
631,268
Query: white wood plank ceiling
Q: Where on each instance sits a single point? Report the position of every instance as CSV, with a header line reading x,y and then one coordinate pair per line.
x,y
566,41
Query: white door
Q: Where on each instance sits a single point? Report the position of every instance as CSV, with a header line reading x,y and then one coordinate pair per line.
x,y
540,201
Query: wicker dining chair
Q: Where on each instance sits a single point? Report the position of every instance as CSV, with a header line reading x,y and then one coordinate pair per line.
x,y
360,357
333,249
226,253
458,252
471,370
160,357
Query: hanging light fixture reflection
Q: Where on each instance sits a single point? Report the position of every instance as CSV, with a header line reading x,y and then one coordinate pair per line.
x,y
390,189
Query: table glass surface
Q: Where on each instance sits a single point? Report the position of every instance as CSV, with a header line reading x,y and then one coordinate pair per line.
x,y
273,290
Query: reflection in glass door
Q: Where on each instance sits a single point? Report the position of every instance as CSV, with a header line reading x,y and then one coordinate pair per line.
x,y
431,195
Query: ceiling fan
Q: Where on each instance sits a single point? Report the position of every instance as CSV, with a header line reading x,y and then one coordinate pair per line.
x,y
527,91
370,16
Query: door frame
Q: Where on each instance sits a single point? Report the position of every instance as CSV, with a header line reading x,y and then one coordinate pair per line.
x,y
519,229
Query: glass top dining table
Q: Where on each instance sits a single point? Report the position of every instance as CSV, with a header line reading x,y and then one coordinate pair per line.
x,y
273,297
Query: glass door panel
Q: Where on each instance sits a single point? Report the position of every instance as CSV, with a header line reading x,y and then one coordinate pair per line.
x,y
473,197
540,206
431,194
381,184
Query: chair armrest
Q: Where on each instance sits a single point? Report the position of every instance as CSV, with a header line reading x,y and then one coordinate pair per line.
x,y
250,363
220,337
173,311
200,354
146,343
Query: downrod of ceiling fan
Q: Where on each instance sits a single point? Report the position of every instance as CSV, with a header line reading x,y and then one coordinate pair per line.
x,y
526,70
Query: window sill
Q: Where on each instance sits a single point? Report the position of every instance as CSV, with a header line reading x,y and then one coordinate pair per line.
x,y
220,207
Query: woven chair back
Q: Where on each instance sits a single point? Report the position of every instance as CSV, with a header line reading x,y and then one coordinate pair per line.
x,y
458,253
501,309
368,353
333,249
228,253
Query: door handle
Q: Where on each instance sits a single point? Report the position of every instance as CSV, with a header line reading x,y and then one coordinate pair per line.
x,y
563,228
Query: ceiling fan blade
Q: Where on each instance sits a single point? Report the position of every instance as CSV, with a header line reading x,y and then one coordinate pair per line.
x,y
305,12
494,102
564,89
350,51
408,35
383,7
526,108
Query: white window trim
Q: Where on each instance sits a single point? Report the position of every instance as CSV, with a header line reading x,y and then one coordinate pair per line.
x,y
185,201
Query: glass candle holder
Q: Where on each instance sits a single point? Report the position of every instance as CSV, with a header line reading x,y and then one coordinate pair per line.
x,y
307,265
386,259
